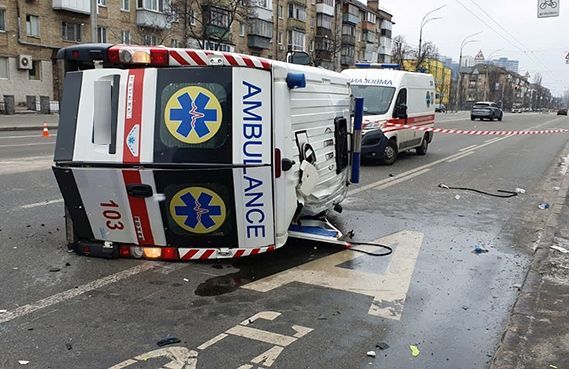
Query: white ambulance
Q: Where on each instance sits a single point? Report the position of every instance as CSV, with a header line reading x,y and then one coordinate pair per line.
x,y
393,97
180,154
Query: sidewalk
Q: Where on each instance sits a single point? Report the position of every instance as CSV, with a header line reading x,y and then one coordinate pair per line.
x,y
537,335
28,122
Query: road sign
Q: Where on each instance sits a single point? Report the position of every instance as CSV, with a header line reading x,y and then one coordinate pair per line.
x,y
567,59
479,56
548,8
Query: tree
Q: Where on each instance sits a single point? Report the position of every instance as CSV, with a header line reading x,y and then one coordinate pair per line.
x,y
401,50
428,51
208,22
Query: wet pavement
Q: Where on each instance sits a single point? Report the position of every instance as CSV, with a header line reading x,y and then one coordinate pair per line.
x,y
307,305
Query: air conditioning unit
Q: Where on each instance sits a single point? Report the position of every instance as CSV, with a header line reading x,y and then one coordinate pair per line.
x,y
24,62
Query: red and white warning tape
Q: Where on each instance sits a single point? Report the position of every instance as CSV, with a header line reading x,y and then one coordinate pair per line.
x,y
481,133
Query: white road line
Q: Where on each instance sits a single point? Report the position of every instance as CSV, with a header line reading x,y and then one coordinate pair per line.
x,y
43,203
73,292
28,136
491,140
261,335
468,148
29,144
461,156
213,341
392,183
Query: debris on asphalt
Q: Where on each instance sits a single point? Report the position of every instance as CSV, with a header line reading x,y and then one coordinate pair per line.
x,y
382,346
479,250
322,317
556,188
543,206
560,249
520,190
23,362
186,280
391,175
552,366
68,346
2,311
465,308
457,197
168,341
414,350
67,264
518,286
53,270
371,353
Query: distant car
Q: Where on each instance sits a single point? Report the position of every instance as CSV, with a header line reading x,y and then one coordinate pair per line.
x,y
441,108
562,111
486,110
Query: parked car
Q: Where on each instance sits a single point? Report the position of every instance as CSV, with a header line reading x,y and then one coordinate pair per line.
x,y
562,111
486,110
441,108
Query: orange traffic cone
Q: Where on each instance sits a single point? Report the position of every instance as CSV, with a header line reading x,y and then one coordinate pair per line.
x,y
45,132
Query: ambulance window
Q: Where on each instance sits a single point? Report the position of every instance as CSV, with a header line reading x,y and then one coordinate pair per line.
x,y
401,97
377,99
193,115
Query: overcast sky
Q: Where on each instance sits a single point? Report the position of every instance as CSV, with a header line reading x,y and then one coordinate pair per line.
x,y
539,44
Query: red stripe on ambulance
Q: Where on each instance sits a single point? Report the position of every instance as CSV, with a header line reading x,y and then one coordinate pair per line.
x,y
133,116
138,209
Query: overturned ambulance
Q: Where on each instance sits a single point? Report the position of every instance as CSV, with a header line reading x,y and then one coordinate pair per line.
x,y
180,154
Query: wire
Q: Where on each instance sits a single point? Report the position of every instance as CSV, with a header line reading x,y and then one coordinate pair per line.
x,y
388,252
509,193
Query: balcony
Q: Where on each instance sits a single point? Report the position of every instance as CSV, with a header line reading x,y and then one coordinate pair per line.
x,y
151,19
324,32
217,32
348,40
325,9
258,42
370,37
346,60
350,18
296,24
75,6
368,26
263,13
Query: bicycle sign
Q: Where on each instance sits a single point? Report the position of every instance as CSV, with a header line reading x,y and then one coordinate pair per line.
x,y
547,8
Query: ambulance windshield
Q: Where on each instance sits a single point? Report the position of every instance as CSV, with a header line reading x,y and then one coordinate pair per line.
x,y
377,99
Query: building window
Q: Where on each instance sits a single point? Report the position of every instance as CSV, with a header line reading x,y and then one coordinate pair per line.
x,y
125,37
2,20
174,43
150,40
101,34
348,30
280,38
125,5
262,28
33,25
192,17
370,17
3,68
221,47
102,2
241,29
296,11
280,11
71,31
324,21
35,72
219,17
296,40
156,5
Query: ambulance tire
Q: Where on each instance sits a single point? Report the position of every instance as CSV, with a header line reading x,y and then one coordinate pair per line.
x,y
390,153
422,150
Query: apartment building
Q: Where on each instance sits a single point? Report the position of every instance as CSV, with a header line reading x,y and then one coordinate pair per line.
x,y
336,33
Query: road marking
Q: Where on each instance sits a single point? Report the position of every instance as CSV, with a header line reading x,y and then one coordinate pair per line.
x,y
213,341
268,357
29,144
26,164
180,358
43,203
468,148
260,335
461,156
403,179
492,140
73,292
388,290
27,136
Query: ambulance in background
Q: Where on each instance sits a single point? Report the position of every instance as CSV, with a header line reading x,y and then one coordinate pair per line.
x,y
181,154
392,96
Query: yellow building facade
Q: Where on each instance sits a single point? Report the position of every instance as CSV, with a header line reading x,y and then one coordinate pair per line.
x,y
441,74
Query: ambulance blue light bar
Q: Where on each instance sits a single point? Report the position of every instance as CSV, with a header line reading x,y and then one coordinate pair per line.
x,y
377,65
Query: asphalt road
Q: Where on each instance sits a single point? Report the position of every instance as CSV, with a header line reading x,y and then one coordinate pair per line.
x,y
307,305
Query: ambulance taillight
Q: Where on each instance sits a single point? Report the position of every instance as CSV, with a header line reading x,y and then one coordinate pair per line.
x,y
149,56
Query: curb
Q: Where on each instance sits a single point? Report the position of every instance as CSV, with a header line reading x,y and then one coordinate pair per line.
x,y
25,128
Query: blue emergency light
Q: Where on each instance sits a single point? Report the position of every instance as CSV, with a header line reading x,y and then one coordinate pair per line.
x,y
377,65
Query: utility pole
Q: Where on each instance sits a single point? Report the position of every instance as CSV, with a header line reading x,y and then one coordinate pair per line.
x,y
94,10
424,21
465,42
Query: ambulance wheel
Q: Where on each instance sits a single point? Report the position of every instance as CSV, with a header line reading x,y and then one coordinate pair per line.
x,y
500,117
422,150
390,153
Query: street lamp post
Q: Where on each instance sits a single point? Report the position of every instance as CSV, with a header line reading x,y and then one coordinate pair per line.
x,y
465,42
487,83
424,21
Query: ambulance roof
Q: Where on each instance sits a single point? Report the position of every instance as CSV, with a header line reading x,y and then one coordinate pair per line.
x,y
386,77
